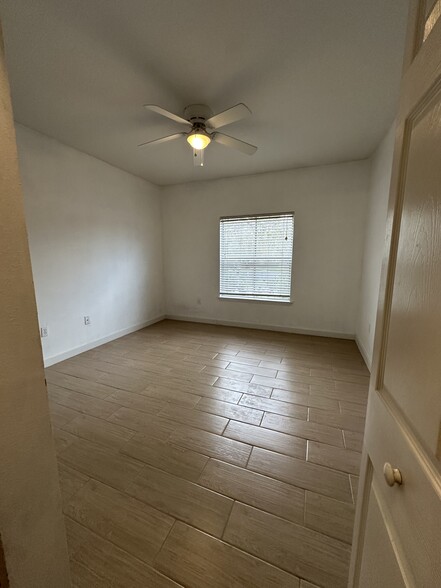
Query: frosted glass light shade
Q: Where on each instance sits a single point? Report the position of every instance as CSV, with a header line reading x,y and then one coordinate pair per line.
x,y
199,140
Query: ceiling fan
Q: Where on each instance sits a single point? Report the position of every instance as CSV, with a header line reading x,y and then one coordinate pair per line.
x,y
202,128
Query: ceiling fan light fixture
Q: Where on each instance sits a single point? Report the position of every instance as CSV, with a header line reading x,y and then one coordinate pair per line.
x,y
200,117
199,139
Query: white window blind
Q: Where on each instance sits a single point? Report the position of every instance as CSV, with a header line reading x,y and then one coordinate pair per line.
x,y
256,257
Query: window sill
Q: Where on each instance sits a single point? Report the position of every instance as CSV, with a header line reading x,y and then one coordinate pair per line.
x,y
243,299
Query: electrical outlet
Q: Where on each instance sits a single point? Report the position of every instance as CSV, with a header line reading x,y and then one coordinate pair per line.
x,y
43,332
87,320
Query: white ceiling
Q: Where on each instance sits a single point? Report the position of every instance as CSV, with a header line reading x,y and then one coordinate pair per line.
x,y
320,76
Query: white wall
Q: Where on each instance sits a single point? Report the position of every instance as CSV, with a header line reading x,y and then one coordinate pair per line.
x,y
96,245
374,244
97,241
329,204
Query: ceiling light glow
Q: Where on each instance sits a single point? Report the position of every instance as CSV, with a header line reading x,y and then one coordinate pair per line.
x,y
199,140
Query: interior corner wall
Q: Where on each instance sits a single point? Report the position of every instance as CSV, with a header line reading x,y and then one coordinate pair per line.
x,y
329,203
95,235
374,242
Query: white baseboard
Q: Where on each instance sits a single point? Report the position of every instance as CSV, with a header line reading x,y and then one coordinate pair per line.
x,y
48,361
364,353
277,328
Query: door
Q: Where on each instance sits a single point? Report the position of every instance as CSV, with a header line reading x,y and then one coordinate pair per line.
x,y
33,548
397,537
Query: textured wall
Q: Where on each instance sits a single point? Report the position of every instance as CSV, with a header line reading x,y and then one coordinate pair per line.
x,y
31,522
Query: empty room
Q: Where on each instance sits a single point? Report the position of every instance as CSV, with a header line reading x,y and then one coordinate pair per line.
x,y
220,321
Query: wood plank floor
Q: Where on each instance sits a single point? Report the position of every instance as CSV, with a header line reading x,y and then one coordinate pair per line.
x,y
204,456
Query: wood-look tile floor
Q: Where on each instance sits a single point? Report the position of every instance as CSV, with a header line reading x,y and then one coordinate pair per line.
x,y
209,457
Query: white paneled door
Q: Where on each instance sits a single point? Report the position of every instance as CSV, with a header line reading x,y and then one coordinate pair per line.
x,y
397,539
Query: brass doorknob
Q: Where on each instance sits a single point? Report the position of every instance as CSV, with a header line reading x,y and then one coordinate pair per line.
x,y
392,475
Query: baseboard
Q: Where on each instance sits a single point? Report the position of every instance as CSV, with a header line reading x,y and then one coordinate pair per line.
x,y
48,361
276,328
364,353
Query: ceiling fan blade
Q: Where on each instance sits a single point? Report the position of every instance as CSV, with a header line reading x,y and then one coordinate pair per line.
x,y
163,139
167,114
234,143
228,116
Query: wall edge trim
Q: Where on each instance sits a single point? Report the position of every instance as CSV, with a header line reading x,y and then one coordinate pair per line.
x,y
364,353
263,327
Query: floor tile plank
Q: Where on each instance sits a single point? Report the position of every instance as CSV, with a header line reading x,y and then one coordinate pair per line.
x,y
340,395
70,481
352,408
230,411
243,387
99,431
137,401
237,359
171,394
130,524
337,458
304,429
254,489
197,560
249,369
98,563
142,422
81,402
132,384
279,383
354,487
101,463
301,474
212,445
276,406
184,500
329,516
266,438
179,461
194,418
61,415
62,438
218,393
228,373
313,556
88,387
305,399
341,421
353,440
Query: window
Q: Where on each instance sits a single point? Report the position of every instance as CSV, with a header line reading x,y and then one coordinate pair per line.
x,y
256,257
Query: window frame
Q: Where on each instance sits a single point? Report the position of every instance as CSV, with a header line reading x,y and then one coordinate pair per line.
x,y
251,300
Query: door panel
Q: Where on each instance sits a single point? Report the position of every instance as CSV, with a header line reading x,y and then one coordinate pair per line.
x,y
380,566
412,362
413,508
